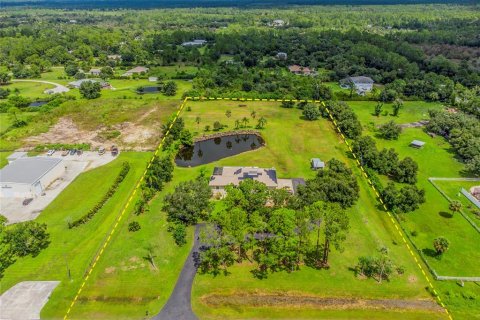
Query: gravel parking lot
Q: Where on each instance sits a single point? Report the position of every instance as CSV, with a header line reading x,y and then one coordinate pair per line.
x,y
13,208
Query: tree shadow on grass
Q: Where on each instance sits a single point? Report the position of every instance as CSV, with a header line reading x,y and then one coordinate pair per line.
x,y
431,253
444,214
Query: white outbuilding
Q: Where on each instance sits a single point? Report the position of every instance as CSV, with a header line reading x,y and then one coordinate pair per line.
x,y
29,177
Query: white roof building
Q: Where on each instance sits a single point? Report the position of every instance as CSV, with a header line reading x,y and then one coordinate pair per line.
x,y
16,155
29,177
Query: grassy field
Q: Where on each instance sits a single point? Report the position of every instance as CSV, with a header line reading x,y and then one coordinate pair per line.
x,y
290,143
412,111
76,247
433,218
452,190
124,285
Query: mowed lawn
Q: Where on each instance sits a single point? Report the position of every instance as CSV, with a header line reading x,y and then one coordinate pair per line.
x,y
411,111
453,190
76,247
433,219
124,285
290,143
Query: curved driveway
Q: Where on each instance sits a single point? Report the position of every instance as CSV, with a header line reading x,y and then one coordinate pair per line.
x,y
59,88
179,306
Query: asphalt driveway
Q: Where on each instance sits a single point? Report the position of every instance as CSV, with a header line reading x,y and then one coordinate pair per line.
x,y
179,306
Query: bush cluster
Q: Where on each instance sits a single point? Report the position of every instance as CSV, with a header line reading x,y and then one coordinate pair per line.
x,y
90,214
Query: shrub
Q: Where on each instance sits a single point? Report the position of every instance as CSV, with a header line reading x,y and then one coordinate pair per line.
x,y
179,233
390,130
134,226
311,112
90,214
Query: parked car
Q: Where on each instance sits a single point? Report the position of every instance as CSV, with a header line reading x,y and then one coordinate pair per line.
x,y
73,151
114,151
101,150
27,201
65,153
79,152
50,152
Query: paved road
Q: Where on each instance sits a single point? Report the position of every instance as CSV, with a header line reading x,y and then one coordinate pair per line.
x,y
179,306
58,87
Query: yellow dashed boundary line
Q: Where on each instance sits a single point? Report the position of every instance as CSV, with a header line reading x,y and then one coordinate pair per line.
x,y
394,222
119,218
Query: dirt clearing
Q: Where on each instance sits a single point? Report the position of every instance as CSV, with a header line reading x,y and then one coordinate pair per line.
x,y
301,301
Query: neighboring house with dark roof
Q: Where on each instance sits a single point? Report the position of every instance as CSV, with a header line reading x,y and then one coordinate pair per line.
x,y
225,176
136,70
29,177
299,70
361,84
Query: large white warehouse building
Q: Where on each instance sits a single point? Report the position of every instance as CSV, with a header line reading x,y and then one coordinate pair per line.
x,y
29,177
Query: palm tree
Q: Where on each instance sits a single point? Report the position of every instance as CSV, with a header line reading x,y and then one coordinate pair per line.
x,y
455,206
228,113
237,124
261,122
197,120
245,121
253,114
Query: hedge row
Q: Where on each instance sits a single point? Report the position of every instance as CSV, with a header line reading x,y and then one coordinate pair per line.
x,y
85,218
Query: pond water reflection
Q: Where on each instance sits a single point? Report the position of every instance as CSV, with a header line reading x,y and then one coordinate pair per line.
x,y
214,149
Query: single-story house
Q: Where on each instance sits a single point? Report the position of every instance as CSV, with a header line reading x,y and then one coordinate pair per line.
x,y
281,56
78,83
29,177
95,72
305,71
196,42
317,164
417,144
114,57
225,176
278,23
362,84
137,70
16,155
153,79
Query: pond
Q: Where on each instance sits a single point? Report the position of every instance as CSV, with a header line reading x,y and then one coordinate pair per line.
x,y
150,89
206,151
37,103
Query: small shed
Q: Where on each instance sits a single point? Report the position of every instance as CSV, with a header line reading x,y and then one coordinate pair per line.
x,y
317,164
417,144
152,79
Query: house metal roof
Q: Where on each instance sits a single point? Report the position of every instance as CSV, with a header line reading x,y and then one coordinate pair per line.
x,y
317,163
417,143
224,176
360,79
27,170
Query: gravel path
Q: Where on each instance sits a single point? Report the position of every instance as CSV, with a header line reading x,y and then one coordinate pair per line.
x,y
179,304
